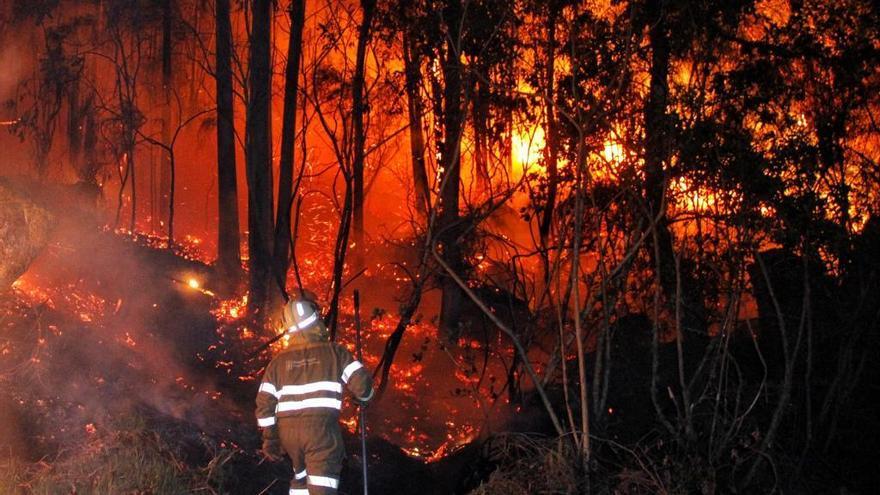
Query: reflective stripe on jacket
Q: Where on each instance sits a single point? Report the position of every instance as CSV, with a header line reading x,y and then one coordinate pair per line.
x,y
307,380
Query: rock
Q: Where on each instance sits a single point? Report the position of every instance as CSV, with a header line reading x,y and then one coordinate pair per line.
x,y
24,231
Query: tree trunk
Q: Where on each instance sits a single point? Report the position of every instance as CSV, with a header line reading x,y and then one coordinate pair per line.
x,y
552,153
415,107
655,142
74,124
258,158
129,154
656,182
288,135
228,242
167,87
480,110
90,142
339,253
368,8
172,184
450,163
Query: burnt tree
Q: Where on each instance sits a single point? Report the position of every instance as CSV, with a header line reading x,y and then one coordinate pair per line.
x,y
288,136
415,109
228,243
449,224
165,173
258,158
359,107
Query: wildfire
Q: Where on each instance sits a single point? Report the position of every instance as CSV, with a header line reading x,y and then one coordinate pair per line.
x,y
230,310
129,341
527,144
87,306
426,425
457,437
193,283
528,147
350,423
189,247
613,152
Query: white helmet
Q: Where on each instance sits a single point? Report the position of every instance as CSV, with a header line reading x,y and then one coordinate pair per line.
x,y
302,316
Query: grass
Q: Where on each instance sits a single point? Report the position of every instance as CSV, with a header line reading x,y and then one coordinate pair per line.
x,y
127,459
530,465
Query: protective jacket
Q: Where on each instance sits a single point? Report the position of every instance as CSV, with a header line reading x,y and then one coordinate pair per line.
x,y
300,398
306,380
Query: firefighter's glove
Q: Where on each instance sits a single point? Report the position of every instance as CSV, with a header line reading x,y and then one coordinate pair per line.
x,y
272,449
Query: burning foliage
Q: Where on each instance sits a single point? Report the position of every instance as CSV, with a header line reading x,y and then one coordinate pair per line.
x,y
644,229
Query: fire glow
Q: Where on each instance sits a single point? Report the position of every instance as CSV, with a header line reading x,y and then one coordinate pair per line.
x,y
447,422
557,161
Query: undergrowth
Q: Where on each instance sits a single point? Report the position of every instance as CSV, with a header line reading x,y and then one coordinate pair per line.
x,y
126,459
528,465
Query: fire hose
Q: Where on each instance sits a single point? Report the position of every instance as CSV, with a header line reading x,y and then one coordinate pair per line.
x,y
361,408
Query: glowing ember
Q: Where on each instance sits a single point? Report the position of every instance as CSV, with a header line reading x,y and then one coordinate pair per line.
x,y
350,423
229,310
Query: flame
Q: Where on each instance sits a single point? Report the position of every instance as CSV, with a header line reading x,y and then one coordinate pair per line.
x,y
194,284
527,144
230,310
692,197
188,247
776,11
350,423
613,151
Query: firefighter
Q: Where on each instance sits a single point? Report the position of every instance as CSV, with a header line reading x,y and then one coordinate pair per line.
x,y
300,397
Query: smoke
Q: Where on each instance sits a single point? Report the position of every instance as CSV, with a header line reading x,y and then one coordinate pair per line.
x,y
17,61
104,332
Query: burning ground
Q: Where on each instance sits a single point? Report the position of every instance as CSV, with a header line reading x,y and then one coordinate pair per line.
x,y
125,368
121,370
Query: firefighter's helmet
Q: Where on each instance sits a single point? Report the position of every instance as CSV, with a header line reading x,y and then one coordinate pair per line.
x,y
302,317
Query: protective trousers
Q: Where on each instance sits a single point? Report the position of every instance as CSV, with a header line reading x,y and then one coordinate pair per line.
x,y
314,444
